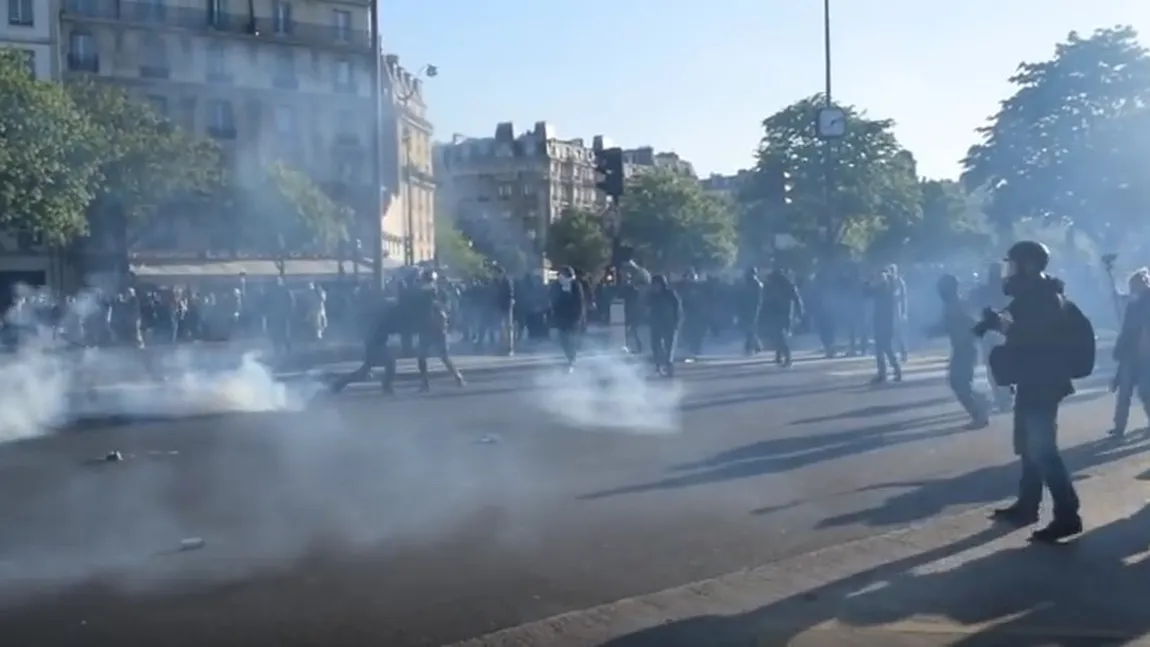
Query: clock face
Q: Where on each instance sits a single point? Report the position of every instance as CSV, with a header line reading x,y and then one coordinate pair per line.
x,y
832,122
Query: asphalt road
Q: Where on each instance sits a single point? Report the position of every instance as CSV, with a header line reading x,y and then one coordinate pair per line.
x,y
421,520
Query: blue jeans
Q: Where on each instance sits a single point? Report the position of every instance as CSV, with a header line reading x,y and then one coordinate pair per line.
x,y
1036,442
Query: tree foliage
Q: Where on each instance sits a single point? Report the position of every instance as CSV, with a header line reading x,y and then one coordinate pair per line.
x,y
842,193
146,161
456,252
948,221
577,239
48,155
284,210
672,224
1072,144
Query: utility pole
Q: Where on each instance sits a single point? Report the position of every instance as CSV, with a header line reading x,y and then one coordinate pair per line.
x,y
830,123
375,238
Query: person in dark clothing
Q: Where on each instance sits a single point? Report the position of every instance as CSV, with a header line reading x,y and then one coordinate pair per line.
x,y
957,324
782,305
504,311
749,303
884,294
666,314
569,313
376,352
1032,358
695,312
429,319
1132,353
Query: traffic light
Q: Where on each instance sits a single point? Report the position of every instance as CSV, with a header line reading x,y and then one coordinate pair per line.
x,y
609,166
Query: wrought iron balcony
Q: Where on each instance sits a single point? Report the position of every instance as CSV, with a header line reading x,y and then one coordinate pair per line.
x,y
160,13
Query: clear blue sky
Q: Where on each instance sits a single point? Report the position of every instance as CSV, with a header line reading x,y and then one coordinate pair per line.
x,y
697,78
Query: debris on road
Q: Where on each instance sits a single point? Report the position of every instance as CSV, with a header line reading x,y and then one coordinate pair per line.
x,y
487,439
192,543
113,457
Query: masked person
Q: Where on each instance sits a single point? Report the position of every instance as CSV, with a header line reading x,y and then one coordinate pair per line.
x,y
884,292
666,314
782,305
1132,352
568,312
1048,343
695,312
376,352
957,324
748,305
429,317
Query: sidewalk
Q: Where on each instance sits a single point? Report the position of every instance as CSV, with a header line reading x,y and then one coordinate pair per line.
x,y
957,581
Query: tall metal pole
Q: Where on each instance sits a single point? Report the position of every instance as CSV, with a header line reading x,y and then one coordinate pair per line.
x,y
376,231
828,151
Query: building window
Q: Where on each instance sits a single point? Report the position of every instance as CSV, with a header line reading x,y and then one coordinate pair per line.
x,y
155,62
20,13
221,120
343,78
159,104
218,13
82,52
341,23
284,76
285,120
281,17
151,10
218,63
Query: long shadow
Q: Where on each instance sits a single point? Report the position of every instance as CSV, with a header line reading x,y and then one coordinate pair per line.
x,y
985,485
764,394
876,410
768,457
1079,595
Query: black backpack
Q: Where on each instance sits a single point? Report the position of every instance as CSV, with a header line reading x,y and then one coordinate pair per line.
x,y
1081,345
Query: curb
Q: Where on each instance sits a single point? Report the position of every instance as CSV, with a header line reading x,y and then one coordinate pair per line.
x,y
706,612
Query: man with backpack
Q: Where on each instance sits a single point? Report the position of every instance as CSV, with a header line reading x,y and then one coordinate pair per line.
x,y
1049,342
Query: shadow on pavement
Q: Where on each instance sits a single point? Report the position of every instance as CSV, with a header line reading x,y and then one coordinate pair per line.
x,y
982,486
785,454
876,410
1088,593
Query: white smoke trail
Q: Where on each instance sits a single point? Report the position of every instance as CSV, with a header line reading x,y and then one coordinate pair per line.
x,y
46,384
607,392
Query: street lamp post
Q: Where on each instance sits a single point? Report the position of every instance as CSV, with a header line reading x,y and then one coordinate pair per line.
x,y
402,99
830,124
380,200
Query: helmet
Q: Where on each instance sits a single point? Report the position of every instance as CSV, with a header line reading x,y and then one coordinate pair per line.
x,y
1029,254
947,285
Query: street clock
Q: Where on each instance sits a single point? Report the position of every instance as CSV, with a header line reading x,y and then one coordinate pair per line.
x,y
831,123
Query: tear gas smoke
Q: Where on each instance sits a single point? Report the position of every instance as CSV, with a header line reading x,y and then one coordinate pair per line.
x,y
48,383
607,392
261,490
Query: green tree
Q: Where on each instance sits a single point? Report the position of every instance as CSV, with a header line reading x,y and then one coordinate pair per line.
x,y
147,163
1071,144
285,212
48,156
456,252
842,193
673,224
948,221
577,239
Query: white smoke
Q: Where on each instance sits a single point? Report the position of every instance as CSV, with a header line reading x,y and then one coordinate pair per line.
x,y
610,392
48,382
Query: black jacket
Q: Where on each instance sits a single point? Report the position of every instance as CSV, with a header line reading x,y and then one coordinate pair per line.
x,y
666,310
1035,342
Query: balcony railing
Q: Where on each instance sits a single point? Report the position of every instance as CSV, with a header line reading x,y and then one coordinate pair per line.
x,y
157,12
84,63
222,132
155,72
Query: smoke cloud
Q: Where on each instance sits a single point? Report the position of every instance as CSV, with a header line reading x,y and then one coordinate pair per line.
x,y
608,392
